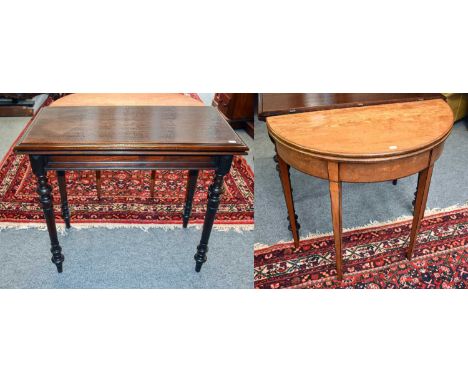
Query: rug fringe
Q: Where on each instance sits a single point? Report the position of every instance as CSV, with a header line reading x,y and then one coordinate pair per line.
x,y
239,228
371,224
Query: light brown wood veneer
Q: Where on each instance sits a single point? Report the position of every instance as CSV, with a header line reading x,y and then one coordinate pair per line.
x,y
365,144
367,132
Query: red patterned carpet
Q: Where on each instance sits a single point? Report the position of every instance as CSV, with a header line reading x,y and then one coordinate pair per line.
x,y
374,258
125,196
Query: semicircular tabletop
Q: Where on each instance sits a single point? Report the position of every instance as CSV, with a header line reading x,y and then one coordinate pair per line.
x,y
366,132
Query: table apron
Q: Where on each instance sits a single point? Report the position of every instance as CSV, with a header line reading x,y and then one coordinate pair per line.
x,y
130,162
361,172
383,171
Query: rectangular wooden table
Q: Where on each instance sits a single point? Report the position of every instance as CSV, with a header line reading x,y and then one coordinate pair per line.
x,y
130,138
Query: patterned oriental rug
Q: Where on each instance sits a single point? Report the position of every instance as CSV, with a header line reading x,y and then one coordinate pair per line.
x,y
374,257
125,198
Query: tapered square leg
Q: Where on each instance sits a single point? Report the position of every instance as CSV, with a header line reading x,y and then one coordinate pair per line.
x,y
152,184
63,197
190,191
286,183
214,197
424,181
98,184
44,190
335,197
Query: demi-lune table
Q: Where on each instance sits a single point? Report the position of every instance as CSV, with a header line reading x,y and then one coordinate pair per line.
x,y
362,144
130,138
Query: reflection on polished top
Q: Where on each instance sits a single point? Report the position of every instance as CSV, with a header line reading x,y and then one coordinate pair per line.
x,y
370,131
130,128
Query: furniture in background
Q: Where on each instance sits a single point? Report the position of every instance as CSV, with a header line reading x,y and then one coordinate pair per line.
x,y
270,104
237,109
125,99
17,104
365,144
459,104
130,138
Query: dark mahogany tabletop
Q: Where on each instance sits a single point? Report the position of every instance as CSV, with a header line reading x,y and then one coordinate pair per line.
x,y
270,104
179,129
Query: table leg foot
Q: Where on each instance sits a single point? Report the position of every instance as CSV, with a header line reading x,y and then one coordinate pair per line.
x,y
191,185
200,257
286,183
57,258
424,180
214,198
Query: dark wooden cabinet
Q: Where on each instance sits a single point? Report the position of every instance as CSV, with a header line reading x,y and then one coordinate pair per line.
x,y
237,109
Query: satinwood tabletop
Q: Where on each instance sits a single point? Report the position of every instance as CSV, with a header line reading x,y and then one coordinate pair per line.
x,y
131,129
367,132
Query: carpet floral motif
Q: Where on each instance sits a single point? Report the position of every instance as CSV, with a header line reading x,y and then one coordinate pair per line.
x,y
374,258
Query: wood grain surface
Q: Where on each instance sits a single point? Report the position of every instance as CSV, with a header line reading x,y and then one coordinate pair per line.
x,y
368,132
130,129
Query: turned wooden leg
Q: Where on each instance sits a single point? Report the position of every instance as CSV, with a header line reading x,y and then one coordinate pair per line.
x,y
98,184
63,197
335,197
153,181
424,180
214,197
286,182
44,190
190,191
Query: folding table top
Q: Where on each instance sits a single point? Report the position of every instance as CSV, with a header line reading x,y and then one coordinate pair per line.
x,y
122,129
